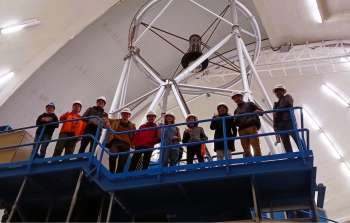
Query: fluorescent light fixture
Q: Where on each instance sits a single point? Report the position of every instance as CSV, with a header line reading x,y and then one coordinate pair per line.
x,y
15,27
6,76
345,167
310,118
332,91
331,145
344,60
315,11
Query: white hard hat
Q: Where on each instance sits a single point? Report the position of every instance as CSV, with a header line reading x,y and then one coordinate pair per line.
x,y
126,110
77,102
169,114
279,86
222,104
191,115
103,98
151,113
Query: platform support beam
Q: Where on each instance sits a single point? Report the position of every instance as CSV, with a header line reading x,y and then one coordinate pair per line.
x,y
100,212
255,201
75,196
110,208
14,206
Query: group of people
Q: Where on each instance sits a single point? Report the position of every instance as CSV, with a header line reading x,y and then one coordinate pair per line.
x,y
75,128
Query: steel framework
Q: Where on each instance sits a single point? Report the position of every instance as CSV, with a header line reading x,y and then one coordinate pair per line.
x,y
177,83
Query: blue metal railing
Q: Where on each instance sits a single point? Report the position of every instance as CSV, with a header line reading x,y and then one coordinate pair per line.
x,y
38,141
98,147
303,145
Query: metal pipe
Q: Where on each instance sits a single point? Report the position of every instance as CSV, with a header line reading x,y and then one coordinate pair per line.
x,y
124,87
180,101
186,72
150,70
165,102
209,88
99,217
153,21
135,100
118,92
255,73
75,196
154,102
225,137
110,207
13,208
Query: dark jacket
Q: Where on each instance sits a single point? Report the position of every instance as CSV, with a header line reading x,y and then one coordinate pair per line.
x,y
285,101
231,131
244,122
49,129
94,111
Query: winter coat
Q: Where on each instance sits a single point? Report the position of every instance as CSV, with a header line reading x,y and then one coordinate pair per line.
x,y
49,129
147,138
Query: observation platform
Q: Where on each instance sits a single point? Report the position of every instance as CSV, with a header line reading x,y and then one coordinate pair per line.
x,y
79,187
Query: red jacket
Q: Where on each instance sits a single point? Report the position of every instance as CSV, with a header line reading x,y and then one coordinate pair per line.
x,y
148,138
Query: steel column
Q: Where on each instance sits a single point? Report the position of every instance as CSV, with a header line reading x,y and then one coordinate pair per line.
x,y
13,208
150,70
237,37
118,92
209,88
255,200
257,76
110,208
180,100
75,196
154,102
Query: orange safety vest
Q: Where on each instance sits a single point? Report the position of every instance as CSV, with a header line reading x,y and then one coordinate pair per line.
x,y
76,127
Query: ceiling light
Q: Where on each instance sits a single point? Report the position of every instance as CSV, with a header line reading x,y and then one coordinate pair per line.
x,y
346,167
11,28
6,76
332,91
310,119
331,145
315,11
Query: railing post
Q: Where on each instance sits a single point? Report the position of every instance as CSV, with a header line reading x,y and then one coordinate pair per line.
x,y
302,125
225,136
162,152
96,138
102,153
36,146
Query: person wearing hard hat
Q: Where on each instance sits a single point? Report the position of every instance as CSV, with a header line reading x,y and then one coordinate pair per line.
x,y
231,131
282,120
247,125
92,123
120,142
170,136
70,129
45,119
145,140
193,133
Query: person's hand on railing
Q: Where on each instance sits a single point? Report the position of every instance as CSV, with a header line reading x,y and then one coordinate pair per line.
x,y
278,139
